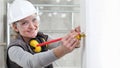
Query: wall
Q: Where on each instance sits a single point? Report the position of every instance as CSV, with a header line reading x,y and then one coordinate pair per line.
x,y
2,55
2,13
103,34
2,32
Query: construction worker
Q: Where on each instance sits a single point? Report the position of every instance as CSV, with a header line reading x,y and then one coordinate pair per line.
x,y
25,22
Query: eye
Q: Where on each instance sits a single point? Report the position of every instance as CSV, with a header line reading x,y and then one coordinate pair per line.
x,y
24,23
34,20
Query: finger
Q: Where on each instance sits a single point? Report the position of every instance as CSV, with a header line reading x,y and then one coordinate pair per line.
x,y
77,29
74,44
70,44
72,31
78,44
72,36
69,37
66,37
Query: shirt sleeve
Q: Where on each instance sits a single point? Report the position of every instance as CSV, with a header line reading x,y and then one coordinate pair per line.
x,y
27,60
53,45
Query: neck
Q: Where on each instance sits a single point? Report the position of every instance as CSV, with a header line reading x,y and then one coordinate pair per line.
x,y
26,39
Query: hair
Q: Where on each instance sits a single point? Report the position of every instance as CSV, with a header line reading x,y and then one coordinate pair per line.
x,y
14,34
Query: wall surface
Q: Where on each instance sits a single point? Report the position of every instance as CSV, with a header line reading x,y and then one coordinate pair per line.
x,y
2,56
2,13
103,34
2,32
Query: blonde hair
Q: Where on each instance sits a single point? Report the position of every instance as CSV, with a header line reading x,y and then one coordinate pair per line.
x,y
14,34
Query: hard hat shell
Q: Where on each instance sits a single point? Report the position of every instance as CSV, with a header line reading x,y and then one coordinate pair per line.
x,y
20,9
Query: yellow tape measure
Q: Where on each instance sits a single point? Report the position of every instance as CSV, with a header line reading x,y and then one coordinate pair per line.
x,y
80,36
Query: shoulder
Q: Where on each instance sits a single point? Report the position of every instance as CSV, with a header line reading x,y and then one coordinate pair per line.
x,y
17,42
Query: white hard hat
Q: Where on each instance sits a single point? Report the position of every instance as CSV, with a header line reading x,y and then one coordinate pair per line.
x,y
20,9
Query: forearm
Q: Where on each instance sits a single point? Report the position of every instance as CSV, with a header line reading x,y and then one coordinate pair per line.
x,y
59,52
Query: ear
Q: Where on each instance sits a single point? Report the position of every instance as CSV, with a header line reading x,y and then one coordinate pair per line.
x,y
14,26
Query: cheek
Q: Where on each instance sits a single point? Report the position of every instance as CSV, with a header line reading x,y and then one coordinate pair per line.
x,y
37,25
22,31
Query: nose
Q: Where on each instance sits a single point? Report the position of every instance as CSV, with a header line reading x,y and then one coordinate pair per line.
x,y
31,25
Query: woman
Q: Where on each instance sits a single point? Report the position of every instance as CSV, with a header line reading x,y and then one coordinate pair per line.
x,y
20,53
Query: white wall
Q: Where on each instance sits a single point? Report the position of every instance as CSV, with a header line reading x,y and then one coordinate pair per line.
x,y
2,32
2,13
2,56
103,34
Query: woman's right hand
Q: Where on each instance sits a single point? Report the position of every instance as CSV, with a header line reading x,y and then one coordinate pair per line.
x,y
68,44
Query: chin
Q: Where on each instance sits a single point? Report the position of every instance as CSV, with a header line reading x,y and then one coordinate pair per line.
x,y
33,36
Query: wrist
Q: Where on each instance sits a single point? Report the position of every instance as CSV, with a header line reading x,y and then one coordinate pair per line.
x,y
59,51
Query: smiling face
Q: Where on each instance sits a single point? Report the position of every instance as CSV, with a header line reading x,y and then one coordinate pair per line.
x,y
27,27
